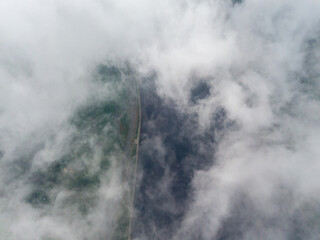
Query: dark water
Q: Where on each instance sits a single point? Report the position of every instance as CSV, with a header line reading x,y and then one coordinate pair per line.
x,y
168,158
200,91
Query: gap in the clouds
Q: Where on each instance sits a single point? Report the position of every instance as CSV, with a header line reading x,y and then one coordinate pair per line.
x,y
237,1
172,148
95,139
280,221
199,92
65,172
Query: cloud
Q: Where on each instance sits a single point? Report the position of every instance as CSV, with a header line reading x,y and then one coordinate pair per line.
x,y
49,55
269,159
256,126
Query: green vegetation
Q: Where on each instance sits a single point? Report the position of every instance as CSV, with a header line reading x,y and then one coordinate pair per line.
x,y
134,151
105,163
109,73
95,118
121,231
38,198
101,130
124,124
82,180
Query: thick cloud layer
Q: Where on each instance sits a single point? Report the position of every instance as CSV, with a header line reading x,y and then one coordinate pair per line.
x,y
253,63
260,60
269,162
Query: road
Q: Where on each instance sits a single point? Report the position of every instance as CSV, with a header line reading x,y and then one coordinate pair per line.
x,y
135,168
130,163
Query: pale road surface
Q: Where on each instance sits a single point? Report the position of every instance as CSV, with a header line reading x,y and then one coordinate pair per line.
x,y
135,168
130,141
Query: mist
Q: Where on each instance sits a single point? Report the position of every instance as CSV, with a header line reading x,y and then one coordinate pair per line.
x,y
230,117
